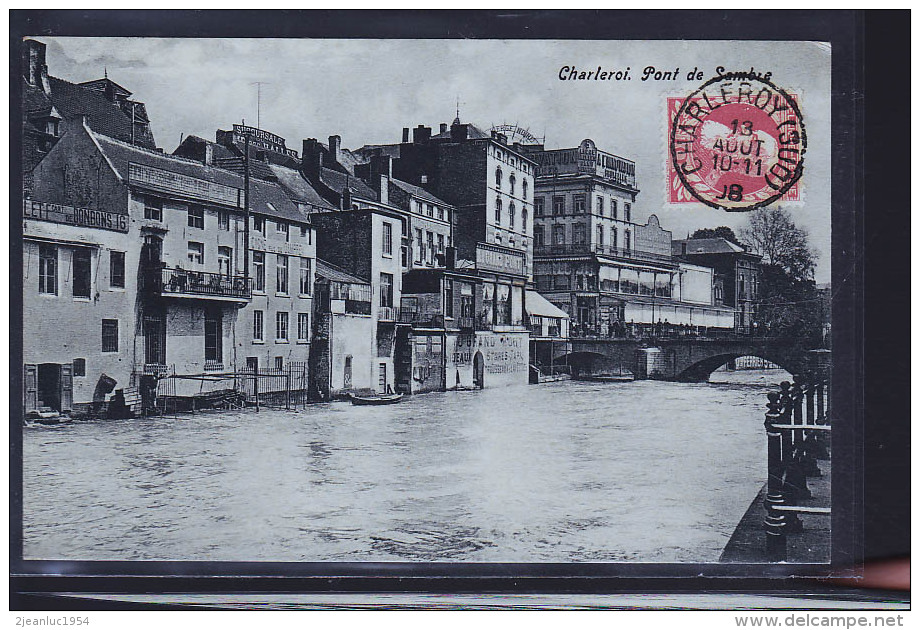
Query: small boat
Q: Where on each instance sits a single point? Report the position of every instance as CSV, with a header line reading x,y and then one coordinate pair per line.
x,y
384,399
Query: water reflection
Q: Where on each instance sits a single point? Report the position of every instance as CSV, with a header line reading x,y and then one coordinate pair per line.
x,y
562,472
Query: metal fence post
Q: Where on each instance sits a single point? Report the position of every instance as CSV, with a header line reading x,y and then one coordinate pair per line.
x,y
794,487
775,521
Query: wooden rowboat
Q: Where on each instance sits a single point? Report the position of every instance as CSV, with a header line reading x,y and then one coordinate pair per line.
x,y
385,399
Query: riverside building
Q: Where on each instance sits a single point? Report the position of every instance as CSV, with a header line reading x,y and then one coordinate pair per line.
x,y
194,307
594,259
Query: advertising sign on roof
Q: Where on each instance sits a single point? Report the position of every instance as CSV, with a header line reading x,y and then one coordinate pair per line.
x,y
261,139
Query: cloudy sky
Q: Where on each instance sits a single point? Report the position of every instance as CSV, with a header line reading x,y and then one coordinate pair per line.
x,y
368,90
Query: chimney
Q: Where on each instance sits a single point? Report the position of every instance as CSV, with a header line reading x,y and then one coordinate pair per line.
x,y
421,134
443,127
405,135
335,146
34,68
459,132
208,154
311,160
381,170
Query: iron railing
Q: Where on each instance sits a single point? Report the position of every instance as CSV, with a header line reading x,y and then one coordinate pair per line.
x,y
170,281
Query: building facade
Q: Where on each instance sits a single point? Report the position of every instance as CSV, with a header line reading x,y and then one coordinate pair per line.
x,y
199,310
737,273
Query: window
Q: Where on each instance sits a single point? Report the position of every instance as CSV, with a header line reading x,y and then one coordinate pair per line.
x,y
538,205
386,289
117,269
303,230
626,244
47,269
498,178
440,213
281,274
110,335
511,182
524,189
613,237
440,243
281,326
627,212
258,270
281,227
431,252
600,235
511,215
613,208
558,235
418,207
258,326
279,363
196,252
258,225
153,208
579,204
82,272
600,206
558,206
498,239
196,216
225,260
429,210
578,233
223,220
498,212
387,239
303,326
523,218
306,286
420,249
538,235
448,297
213,336
79,367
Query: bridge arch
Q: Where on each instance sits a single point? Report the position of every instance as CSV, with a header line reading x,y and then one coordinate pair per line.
x,y
700,371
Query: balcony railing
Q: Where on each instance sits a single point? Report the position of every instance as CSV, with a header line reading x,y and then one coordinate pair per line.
x,y
578,249
387,314
357,307
182,282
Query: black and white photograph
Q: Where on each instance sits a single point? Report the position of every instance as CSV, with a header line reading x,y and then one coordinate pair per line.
x,y
299,300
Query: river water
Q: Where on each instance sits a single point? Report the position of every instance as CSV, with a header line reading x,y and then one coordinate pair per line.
x,y
562,472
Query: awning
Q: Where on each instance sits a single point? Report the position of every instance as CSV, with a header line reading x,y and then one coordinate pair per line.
x,y
536,304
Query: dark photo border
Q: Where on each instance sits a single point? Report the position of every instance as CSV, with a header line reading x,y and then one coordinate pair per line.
x,y
857,307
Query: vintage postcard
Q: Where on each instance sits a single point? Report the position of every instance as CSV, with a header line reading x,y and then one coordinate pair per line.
x,y
427,300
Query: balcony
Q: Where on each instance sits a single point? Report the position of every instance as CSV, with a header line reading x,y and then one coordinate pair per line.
x,y
422,319
582,249
387,314
183,283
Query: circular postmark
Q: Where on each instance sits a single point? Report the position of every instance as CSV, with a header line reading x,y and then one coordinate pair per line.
x,y
738,142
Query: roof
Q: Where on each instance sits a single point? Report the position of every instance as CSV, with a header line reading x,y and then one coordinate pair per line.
x,y
329,271
299,188
707,246
337,182
473,132
536,304
102,115
417,191
266,198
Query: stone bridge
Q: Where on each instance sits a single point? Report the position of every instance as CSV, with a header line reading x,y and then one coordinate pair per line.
x,y
683,359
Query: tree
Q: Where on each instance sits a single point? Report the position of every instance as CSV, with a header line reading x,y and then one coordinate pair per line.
x,y
720,232
772,234
788,302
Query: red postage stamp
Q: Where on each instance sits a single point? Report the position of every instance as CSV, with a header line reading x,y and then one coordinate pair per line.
x,y
736,143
